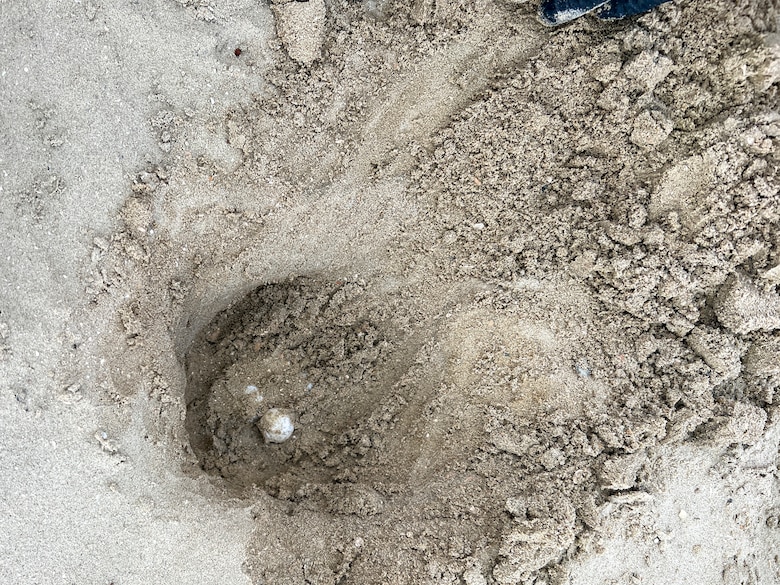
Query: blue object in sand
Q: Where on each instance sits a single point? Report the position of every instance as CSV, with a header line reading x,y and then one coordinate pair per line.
x,y
555,12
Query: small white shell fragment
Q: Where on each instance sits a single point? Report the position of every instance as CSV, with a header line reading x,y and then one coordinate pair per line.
x,y
276,425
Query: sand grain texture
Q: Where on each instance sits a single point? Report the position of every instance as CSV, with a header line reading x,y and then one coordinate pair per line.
x,y
514,285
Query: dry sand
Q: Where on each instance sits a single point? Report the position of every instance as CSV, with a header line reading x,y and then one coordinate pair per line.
x,y
516,286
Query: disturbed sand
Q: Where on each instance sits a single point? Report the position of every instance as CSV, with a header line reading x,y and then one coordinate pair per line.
x,y
516,287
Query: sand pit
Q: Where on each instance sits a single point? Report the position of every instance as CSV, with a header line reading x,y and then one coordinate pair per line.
x,y
513,290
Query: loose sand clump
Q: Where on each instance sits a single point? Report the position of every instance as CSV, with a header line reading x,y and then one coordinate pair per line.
x,y
301,28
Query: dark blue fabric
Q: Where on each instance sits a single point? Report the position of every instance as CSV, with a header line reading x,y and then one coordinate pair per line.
x,y
553,12
622,8
559,11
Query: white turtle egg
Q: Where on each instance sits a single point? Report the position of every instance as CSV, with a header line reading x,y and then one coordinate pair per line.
x,y
276,425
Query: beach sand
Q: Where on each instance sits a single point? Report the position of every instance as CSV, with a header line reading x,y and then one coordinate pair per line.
x,y
515,286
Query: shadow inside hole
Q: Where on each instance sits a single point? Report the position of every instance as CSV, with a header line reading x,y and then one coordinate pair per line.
x,y
320,349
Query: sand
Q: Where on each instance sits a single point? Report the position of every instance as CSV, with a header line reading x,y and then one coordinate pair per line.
x,y
515,286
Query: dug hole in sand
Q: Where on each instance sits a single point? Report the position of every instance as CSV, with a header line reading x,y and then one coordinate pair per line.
x,y
369,292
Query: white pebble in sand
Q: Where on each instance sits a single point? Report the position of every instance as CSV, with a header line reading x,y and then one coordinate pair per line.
x,y
276,425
